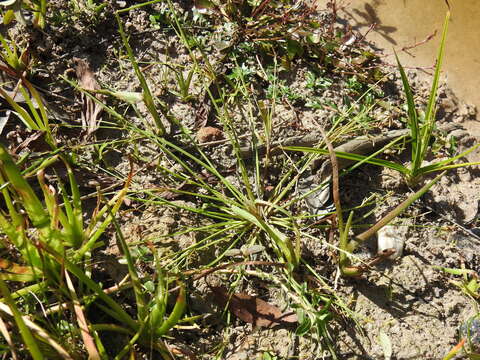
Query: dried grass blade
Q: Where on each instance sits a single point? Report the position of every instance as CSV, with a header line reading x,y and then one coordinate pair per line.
x,y
8,338
88,340
90,109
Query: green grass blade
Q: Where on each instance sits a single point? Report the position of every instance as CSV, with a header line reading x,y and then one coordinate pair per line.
x,y
449,167
429,124
147,94
116,309
42,120
15,217
98,227
160,300
276,235
10,56
350,156
31,107
56,213
106,108
75,214
445,163
412,119
398,210
137,285
18,238
23,115
32,205
176,313
205,163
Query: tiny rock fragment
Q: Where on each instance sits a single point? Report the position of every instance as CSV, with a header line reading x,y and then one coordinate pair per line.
x,y
209,133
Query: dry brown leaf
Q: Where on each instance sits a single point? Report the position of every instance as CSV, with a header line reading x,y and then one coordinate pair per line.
x,y
252,309
90,109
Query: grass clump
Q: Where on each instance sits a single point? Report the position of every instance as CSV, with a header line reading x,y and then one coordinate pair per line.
x,y
59,248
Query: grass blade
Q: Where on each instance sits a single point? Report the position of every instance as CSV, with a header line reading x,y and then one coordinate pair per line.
x,y
8,338
121,315
137,285
429,124
412,118
350,156
82,322
147,94
176,313
23,115
398,210
42,334
439,166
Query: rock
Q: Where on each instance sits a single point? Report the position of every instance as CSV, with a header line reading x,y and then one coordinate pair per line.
x,y
391,236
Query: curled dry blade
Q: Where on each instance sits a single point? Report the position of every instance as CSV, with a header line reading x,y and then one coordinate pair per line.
x,y
90,109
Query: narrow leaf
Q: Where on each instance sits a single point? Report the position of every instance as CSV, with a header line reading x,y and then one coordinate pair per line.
x,y
412,116
82,322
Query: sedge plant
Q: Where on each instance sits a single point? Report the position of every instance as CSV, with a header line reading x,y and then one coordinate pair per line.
x,y
55,245
421,130
236,208
239,209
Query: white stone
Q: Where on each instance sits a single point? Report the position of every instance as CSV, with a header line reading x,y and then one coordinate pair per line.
x,y
391,236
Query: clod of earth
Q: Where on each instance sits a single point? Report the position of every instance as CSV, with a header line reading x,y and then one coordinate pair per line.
x,y
209,133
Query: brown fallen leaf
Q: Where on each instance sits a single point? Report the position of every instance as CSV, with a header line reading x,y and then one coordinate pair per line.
x,y
252,309
209,133
90,109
